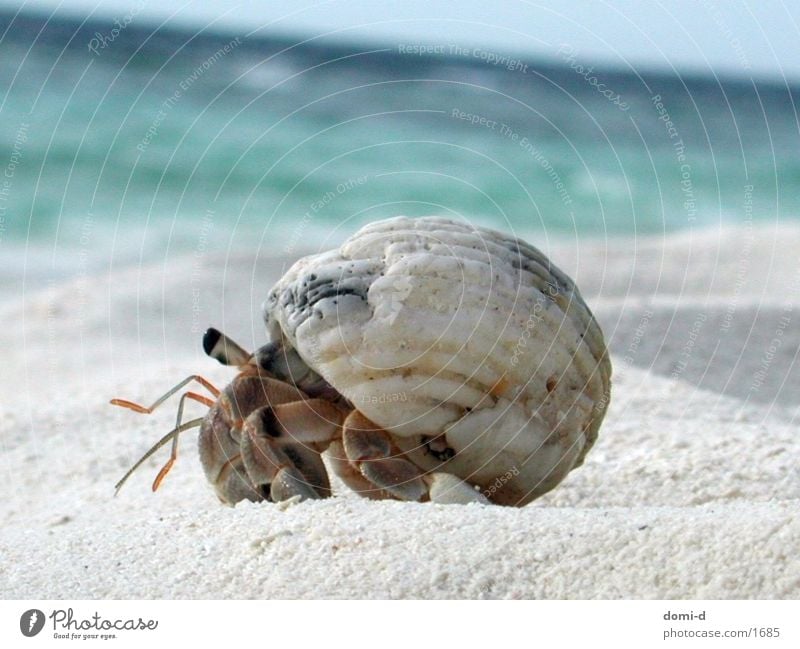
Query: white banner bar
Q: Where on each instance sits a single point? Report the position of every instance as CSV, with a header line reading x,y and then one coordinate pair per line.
x,y
401,624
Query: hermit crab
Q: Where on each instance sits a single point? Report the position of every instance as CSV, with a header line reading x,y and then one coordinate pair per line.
x,y
427,359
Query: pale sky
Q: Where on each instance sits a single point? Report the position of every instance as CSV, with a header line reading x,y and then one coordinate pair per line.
x,y
743,37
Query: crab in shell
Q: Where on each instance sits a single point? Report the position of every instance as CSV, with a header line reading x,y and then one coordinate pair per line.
x,y
427,359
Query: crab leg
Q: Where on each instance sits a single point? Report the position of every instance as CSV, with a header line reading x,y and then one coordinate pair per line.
x,y
194,423
149,409
369,449
173,454
146,410
281,447
349,474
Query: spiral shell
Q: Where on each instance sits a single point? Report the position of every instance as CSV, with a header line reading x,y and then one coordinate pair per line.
x,y
437,329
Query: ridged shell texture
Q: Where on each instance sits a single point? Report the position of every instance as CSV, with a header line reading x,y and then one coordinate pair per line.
x,y
432,326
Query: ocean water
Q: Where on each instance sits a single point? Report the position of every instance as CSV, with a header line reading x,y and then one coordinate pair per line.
x,y
121,147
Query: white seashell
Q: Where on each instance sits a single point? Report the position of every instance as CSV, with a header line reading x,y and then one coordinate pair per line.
x,y
434,327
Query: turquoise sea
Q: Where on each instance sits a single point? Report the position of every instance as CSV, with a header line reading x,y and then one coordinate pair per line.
x,y
122,145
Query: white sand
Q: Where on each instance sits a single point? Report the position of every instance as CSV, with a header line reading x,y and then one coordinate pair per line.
x,y
693,490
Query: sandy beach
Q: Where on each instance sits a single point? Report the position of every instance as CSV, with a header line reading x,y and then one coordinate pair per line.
x,y
692,491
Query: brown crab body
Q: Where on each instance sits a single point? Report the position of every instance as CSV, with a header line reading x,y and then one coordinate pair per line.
x,y
233,453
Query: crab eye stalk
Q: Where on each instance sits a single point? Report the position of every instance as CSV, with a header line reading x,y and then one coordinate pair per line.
x,y
221,348
284,363
281,361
